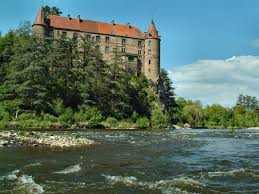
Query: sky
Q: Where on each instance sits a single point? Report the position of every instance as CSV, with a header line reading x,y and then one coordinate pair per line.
x,y
209,47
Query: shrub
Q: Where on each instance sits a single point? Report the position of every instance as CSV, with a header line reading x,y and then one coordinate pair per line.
x,y
111,122
142,122
91,115
158,118
58,107
26,116
67,116
124,124
4,115
134,117
49,118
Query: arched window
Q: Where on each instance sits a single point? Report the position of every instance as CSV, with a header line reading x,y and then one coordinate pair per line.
x,y
149,61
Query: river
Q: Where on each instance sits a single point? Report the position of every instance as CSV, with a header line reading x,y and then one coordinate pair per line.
x,y
179,161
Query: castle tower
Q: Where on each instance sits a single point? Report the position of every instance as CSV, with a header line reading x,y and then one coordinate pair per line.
x,y
152,53
39,26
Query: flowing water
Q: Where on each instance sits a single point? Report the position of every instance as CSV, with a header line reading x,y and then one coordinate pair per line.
x,y
183,161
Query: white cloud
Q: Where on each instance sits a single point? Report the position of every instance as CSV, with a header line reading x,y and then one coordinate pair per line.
x,y
218,81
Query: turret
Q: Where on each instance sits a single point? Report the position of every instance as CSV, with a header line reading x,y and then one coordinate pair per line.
x,y
152,53
39,26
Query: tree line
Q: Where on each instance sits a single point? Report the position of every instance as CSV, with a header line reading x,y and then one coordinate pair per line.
x,y
244,114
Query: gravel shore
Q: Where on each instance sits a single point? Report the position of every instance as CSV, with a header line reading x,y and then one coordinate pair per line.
x,y
46,139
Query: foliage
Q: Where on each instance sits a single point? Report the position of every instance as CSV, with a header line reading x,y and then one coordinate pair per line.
x,y
67,116
244,114
111,122
51,11
142,122
90,115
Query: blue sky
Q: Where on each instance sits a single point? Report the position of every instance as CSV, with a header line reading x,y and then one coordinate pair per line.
x,y
195,34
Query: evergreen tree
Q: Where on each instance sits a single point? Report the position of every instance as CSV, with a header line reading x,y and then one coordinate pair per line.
x,y
167,95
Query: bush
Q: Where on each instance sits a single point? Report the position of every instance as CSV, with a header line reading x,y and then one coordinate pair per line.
x,y
124,124
49,118
142,122
26,116
111,122
58,107
67,116
158,118
91,115
4,115
134,117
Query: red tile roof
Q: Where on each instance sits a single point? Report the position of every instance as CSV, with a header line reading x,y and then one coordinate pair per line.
x,y
95,27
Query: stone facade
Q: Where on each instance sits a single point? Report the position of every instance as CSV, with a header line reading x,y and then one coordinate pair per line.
x,y
139,51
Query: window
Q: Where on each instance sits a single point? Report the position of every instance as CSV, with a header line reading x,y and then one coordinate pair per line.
x,y
149,43
123,41
139,44
139,52
149,61
107,39
130,58
149,51
75,36
64,34
98,38
123,50
88,37
107,49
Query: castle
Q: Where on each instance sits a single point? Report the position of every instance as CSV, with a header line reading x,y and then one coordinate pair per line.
x,y
139,50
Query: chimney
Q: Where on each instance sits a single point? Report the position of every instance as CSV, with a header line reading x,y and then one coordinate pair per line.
x,y
129,25
79,18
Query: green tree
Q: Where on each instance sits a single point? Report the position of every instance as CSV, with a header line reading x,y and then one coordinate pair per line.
x,y
167,95
193,114
51,11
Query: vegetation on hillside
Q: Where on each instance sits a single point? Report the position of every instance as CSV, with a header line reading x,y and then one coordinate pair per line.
x,y
64,82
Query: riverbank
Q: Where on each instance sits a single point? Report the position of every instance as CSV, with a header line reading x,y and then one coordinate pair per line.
x,y
43,139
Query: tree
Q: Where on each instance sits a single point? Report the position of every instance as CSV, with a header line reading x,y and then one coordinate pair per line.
x,y
51,11
216,116
193,114
167,95
249,103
